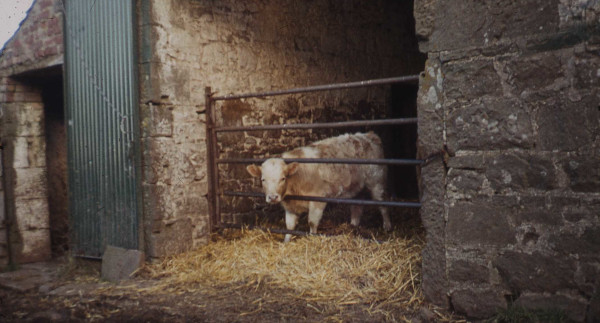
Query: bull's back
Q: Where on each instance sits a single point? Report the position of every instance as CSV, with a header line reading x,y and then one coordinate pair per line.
x,y
359,145
336,180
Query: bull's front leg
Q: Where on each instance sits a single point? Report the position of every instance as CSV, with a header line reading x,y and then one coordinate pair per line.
x,y
355,214
315,213
291,219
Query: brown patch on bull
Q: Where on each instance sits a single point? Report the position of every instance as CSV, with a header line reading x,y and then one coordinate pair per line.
x,y
254,170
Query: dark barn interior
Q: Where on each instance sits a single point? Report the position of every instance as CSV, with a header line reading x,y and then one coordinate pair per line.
x,y
396,53
49,82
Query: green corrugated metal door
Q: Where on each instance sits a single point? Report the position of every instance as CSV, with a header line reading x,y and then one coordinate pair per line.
x,y
101,98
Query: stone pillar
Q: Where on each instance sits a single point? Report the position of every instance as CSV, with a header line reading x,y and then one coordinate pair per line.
x,y
3,229
510,92
24,167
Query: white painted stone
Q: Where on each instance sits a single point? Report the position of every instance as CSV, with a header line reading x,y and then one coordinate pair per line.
x,y
35,246
30,183
32,214
21,149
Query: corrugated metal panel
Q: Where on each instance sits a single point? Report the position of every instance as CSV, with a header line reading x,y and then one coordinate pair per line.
x,y
101,91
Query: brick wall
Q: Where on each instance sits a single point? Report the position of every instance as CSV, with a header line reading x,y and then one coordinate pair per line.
x,y
510,94
239,47
36,45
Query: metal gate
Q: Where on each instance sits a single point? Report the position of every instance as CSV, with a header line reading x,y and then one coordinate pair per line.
x,y
215,192
101,112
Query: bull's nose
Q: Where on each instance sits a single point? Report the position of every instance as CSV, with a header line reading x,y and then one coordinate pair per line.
x,y
273,198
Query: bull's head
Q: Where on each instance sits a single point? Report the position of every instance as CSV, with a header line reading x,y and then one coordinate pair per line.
x,y
273,173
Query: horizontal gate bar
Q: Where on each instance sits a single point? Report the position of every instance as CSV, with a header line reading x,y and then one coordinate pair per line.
x,y
317,88
325,161
330,200
341,124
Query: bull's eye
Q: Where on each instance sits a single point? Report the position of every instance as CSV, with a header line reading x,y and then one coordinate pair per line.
x,y
282,179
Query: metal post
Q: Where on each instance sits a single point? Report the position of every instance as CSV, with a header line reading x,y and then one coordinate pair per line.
x,y
211,161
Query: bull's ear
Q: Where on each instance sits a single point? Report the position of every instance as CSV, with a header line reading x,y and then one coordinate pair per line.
x,y
292,168
254,170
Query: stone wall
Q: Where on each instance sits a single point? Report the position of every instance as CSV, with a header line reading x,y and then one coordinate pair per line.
x,y
510,98
36,45
4,257
251,46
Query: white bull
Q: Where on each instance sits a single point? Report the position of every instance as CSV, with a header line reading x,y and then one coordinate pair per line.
x,y
324,180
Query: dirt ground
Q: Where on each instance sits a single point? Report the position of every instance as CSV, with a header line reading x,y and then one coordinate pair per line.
x,y
70,290
198,305
84,297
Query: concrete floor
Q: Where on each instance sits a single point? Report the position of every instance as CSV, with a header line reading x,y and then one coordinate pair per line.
x,y
31,276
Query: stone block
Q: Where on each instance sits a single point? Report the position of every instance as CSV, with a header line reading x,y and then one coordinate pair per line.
x,y
19,149
577,209
3,235
478,303
464,24
157,121
23,119
479,222
26,151
157,206
583,173
467,160
150,89
118,263
32,214
158,153
585,71
468,272
429,110
189,129
588,276
489,125
2,207
425,18
469,80
179,75
517,171
536,72
586,242
30,183
465,183
187,165
31,246
535,272
535,209
574,306
565,125
171,239
191,199
435,283
593,312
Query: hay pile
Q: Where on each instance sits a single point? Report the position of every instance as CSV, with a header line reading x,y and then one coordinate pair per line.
x,y
340,270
